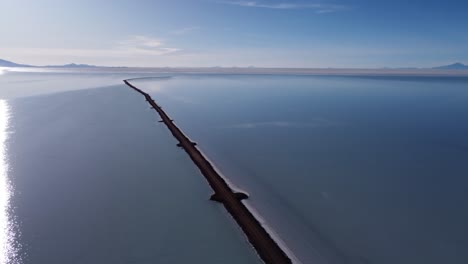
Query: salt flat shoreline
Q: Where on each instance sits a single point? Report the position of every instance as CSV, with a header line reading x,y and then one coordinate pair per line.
x,y
242,70
310,71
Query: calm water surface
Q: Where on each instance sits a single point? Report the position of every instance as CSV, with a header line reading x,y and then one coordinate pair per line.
x,y
344,169
89,176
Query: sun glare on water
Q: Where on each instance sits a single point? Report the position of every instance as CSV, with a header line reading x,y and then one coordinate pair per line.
x,y
8,253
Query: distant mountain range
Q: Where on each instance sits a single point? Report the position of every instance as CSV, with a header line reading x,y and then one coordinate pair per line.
x,y
455,66
5,63
72,65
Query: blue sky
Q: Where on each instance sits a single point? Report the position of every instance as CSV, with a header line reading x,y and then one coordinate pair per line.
x,y
352,33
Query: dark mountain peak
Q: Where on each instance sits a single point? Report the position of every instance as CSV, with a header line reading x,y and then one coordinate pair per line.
x,y
454,66
72,65
5,63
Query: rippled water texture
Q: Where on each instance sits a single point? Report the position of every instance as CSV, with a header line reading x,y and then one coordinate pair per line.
x,y
8,250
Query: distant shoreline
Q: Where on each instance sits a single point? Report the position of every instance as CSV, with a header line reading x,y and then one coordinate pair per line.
x,y
253,71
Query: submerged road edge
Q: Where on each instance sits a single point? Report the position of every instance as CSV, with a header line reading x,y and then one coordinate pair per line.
x,y
266,247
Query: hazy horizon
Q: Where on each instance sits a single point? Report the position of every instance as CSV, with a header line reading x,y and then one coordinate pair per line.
x,y
457,66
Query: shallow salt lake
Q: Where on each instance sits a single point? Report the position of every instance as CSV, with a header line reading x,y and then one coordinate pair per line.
x,y
344,169
92,177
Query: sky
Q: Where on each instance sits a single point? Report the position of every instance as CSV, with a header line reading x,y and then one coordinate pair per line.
x,y
263,33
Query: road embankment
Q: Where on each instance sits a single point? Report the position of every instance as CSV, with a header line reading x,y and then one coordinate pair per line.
x,y
264,244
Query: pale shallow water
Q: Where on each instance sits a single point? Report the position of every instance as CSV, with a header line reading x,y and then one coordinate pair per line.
x,y
92,177
344,169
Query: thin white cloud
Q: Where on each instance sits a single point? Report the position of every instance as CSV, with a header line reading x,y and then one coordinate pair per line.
x,y
319,8
131,49
145,45
320,55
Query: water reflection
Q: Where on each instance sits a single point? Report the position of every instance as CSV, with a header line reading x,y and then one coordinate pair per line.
x,y
8,252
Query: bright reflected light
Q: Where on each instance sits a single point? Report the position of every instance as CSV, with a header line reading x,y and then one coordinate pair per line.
x,y
8,252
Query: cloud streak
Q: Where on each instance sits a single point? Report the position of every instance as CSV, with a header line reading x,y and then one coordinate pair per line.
x,y
145,45
319,8
144,49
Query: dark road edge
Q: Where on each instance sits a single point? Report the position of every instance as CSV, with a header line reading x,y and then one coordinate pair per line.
x,y
264,244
